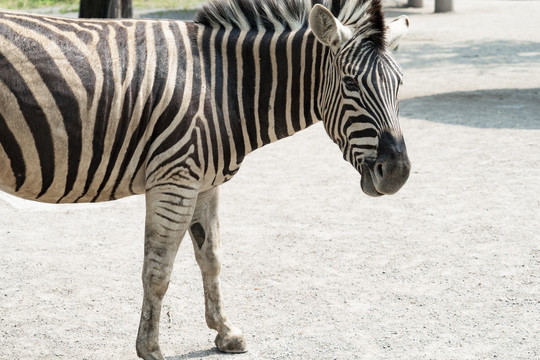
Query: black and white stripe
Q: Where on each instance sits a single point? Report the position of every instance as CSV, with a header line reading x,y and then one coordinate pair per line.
x,y
96,110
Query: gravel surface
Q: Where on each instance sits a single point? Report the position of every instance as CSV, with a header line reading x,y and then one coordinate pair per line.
x,y
448,268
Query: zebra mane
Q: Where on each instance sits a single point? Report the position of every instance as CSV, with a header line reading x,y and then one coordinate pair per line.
x,y
365,16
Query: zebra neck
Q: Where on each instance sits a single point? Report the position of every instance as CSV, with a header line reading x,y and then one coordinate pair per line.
x,y
264,83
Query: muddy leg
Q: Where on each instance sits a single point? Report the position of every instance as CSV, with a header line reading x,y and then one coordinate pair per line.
x,y
168,215
204,231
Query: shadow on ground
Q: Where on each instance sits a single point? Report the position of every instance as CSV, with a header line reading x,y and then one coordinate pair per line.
x,y
199,354
500,108
494,53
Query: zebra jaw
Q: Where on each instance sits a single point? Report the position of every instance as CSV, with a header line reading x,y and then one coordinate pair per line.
x,y
366,182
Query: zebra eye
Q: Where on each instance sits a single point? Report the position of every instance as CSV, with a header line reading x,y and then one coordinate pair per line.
x,y
351,83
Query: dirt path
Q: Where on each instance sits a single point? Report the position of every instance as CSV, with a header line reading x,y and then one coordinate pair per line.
x,y
448,268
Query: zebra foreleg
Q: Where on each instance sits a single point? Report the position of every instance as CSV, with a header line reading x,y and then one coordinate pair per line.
x,y
168,215
204,231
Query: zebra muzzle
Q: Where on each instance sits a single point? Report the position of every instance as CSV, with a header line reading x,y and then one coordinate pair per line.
x,y
390,171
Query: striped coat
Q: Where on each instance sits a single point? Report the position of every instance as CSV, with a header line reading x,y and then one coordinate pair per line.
x,y
96,110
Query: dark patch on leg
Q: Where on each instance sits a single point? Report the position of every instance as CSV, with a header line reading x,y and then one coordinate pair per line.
x,y
198,233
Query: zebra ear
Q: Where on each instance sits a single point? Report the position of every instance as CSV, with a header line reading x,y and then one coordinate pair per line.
x,y
395,31
326,28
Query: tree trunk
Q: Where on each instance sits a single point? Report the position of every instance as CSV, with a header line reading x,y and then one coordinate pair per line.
x,y
127,9
416,3
106,9
443,6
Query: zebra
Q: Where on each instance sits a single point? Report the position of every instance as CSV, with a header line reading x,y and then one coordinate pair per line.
x,y
96,110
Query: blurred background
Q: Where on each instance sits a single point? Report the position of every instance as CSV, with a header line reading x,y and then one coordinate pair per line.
x,y
179,9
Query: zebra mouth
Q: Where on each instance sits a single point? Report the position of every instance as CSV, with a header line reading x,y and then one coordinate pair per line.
x,y
366,183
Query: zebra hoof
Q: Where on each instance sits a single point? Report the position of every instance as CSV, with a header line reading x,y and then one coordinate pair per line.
x,y
155,355
231,342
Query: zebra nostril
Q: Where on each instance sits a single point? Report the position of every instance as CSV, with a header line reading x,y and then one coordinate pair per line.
x,y
379,171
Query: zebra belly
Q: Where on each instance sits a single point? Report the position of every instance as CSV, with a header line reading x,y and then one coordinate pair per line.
x,y
11,182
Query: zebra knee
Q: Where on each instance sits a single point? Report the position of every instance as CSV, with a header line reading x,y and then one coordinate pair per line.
x,y
158,259
156,279
209,260
213,261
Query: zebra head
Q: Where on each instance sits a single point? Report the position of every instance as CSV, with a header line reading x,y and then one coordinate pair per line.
x,y
358,101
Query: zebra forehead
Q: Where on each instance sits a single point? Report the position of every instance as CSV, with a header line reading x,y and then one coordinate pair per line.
x,y
360,56
365,16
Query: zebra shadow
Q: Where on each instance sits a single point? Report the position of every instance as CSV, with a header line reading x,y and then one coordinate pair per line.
x,y
500,108
200,354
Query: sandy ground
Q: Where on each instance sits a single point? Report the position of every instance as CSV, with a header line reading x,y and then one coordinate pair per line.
x,y
448,268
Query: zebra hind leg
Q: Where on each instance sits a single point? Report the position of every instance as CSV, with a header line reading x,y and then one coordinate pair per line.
x,y
168,214
204,231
